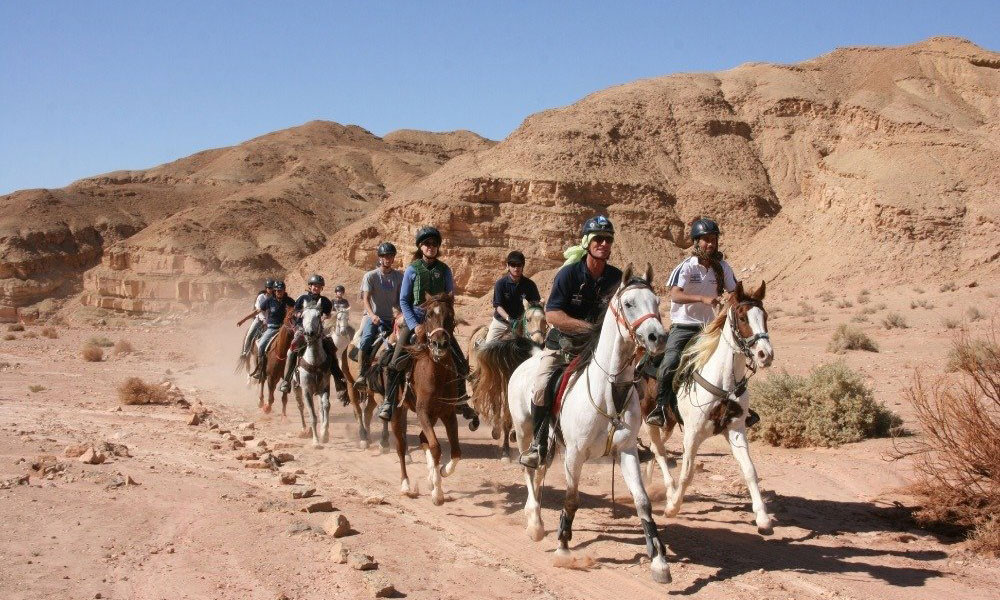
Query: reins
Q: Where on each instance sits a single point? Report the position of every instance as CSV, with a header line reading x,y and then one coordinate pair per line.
x,y
745,347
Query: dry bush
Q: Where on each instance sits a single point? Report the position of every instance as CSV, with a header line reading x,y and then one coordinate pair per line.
x,y
874,308
921,304
826,296
844,304
50,332
918,290
830,406
951,322
957,475
894,321
36,388
136,391
9,337
123,347
864,297
860,318
31,335
974,314
100,342
948,286
805,309
15,327
976,349
91,353
847,338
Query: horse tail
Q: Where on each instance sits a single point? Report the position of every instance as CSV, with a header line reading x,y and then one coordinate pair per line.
x,y
497,361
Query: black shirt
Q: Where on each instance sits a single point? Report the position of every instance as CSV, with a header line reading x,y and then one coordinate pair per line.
x,y
510,296
341,304
325,305
274,310
580,296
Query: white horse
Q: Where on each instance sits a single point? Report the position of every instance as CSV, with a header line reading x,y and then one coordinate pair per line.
x,y
712,394
600,412
314,374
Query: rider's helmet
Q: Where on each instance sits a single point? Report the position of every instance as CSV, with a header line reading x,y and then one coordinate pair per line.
x,y
704,227
316,279
269,284
339,288
427,232
515,258
599,225
386,249
279,286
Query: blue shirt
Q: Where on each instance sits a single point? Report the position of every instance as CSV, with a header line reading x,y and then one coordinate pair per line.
x,y
275,309
580,296
414,315
510,295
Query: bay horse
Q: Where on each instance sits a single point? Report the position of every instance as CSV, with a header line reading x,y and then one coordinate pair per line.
x,y
314,374
600,411
495,362
712,396
277,353
430,393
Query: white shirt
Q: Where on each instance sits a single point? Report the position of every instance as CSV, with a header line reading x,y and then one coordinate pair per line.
x,y
259,304
696,279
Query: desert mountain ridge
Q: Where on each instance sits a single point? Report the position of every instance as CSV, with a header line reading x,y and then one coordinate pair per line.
x,y
864,164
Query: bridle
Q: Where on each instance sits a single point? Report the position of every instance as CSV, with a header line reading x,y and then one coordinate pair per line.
x,y
745,346
522,322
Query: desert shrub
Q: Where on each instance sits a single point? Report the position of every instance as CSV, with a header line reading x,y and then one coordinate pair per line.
x,y
91,353
36,388
950,322
894,321
50,332
831,405
956,468
826,296
845,304
805,309
860,318
864,297
9,337
874,308
15,327
100,342
30,335
847,338
123,347
136,391
948,286
918,289
920,304
974,314
969,350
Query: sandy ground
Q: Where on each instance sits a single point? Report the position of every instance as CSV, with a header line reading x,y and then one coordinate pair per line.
x,y
200,524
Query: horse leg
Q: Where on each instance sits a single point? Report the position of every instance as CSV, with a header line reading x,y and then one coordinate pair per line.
x,y
399,432
657,441
675,495
315,417
324,403
302,408
573,464
451,428
505,446
737,438
432,449
654,546
359,415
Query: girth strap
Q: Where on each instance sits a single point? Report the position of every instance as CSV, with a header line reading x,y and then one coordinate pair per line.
x,y
739,390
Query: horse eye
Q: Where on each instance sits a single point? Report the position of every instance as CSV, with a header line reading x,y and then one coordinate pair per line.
x,y
628,305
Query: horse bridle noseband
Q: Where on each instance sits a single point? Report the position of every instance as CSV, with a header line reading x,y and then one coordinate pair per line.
x,y
745,346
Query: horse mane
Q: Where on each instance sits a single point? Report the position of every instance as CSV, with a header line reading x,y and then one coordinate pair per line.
x,y
497,360
589,347
700,350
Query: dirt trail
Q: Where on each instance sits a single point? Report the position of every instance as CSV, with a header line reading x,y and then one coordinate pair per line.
x,y
202,525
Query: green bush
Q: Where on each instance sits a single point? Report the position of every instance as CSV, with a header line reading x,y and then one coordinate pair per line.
x,y
830,406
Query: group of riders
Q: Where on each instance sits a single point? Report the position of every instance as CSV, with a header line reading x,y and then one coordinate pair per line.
x,y
576,303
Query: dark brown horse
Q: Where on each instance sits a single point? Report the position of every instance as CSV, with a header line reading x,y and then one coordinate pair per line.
x,y
432,394
276,355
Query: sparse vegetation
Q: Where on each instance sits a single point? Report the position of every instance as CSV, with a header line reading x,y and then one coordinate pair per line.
x,y
136,391
830,406
827,296
847,338
922,303
951,323
894,321
15,327
10,336
805,309
918,289
50,332
860,318
31,335
948,286
123,347
968,350
91,353
100,342
974,314
845,303
34,389
956,460
864,297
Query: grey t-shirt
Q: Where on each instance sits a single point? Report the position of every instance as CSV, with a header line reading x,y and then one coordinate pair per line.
x,y
384,290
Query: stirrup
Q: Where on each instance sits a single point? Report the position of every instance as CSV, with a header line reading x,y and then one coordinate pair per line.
x,y
284,387
385,412
752,418
531,458
657,417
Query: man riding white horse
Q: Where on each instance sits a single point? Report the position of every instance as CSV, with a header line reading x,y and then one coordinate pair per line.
x,y
426,276
313,297
509,294
257,315
695,287
379,295
579,296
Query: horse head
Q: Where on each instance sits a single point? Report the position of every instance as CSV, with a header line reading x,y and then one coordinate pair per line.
x,y
636,306
439,323
312,322
533,323
343,320
748,325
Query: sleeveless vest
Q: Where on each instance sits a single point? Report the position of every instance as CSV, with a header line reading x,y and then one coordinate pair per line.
x,y
429,280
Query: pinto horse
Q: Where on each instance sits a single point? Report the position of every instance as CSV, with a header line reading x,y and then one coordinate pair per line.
x,y
431,394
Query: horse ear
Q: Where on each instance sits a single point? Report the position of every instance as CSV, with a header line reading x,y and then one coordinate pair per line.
x,y
649,274
526,304
627,275
758,294
738,292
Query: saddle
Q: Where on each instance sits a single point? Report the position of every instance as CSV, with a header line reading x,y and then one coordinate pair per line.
x,y
557,384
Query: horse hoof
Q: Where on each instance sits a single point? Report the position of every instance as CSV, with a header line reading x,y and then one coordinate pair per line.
x,y
563,552
671,511
404,488
660,571
495,433
363,445
536,532
505,460
317,445
765,530
437,499
267,409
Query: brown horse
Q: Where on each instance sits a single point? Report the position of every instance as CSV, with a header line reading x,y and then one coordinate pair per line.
x,y
275,369
431,393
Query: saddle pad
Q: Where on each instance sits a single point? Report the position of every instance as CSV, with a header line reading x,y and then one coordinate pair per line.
x,y
562,375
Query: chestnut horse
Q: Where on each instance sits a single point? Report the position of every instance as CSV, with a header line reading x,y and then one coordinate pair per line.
x,y
431,393
277,352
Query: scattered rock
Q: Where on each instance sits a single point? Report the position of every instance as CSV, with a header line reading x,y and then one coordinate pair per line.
x,y
375,500
236,444
256,464
246,437
6,484
194,420
91,457
284,457
297,528
46,460
75,450
338,526
247,456
287,479
379,586
306,493
339,553
247,425
362,562
270,460
319,506
113,449
261,444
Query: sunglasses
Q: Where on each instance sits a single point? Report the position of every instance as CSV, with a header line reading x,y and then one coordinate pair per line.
x,y
431,243
603,240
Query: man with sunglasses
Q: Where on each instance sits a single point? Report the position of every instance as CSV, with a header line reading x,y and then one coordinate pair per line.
x,y
425,276
579,296
509,294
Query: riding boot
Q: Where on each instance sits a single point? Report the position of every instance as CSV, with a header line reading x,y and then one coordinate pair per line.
x,y
286,382
535,455
461,390
260,373
362,380
752,417
389,403
658,416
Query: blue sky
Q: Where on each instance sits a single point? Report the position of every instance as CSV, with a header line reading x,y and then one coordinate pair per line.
x,y
90,87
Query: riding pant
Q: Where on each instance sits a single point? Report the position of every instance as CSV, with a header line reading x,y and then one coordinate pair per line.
x,y
549,361
370,333
265,338
677,339
497,329
252,333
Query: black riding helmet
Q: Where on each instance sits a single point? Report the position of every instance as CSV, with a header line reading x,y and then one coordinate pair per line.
x,y
515,258
269,284
316,279
427,232
279,286
339,288
386,249
704,227
600,225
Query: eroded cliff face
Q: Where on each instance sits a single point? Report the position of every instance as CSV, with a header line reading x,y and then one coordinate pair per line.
x,y
863,163
208,226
